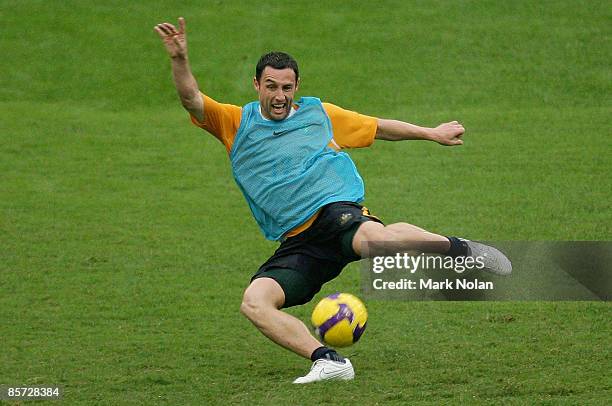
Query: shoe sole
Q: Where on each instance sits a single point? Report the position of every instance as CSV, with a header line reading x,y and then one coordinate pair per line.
x,y
501,265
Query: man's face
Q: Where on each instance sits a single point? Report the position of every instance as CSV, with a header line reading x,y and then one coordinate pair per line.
x,y
276,89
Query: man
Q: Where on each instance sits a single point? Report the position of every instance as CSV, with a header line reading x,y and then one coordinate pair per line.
x,y
304,192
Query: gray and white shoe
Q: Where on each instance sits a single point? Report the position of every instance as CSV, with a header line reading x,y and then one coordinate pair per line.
x,y
324,369
493,259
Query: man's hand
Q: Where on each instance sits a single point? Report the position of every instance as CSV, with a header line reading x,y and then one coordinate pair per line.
x,y
174,40
448,133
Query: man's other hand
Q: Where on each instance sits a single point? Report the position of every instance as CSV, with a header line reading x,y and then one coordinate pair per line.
x,y
174,40
448,133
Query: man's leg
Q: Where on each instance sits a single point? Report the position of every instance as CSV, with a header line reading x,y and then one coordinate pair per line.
x,y
412,238
409,236
261,303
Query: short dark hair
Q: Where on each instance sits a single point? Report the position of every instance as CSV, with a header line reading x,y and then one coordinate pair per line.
x,y
276,60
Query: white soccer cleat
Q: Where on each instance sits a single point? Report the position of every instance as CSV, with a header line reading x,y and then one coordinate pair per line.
x,y
494,260
324,370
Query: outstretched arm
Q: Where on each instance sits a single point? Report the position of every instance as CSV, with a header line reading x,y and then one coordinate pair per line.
x,y
445,134
175,42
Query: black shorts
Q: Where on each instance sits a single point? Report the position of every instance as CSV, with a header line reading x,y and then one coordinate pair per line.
x,y
303,263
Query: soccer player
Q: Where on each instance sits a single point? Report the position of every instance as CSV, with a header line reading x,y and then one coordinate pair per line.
x,y
305,192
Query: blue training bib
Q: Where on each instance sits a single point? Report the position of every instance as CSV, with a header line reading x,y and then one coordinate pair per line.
x,y
287,171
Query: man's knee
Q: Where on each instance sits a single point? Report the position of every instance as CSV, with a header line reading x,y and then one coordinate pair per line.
x,y
251,304
262,295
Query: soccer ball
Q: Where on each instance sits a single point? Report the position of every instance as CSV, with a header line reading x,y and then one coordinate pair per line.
x,y
339,319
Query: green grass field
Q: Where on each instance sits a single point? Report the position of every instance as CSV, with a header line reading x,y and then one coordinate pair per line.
x,y
125,245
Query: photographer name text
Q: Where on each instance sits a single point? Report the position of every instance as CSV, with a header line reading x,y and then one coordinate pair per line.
x,y
430,284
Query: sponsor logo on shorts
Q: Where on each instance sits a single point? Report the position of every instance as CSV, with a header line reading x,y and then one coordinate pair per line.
x,y
344,218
